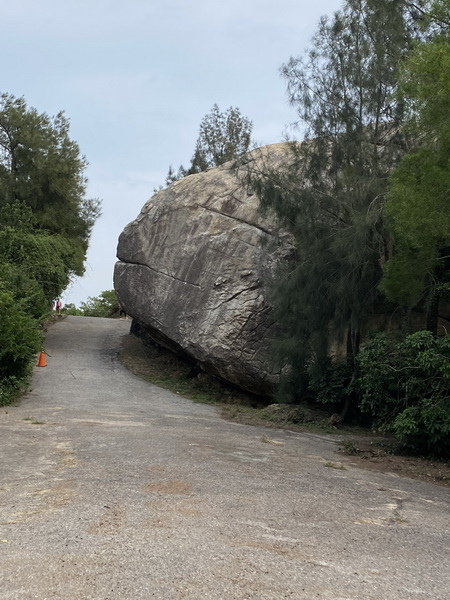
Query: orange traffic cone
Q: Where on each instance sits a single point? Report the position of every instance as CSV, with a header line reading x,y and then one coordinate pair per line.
x,y
42,362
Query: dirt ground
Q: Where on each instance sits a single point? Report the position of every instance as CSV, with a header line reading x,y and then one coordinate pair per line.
x,y
363,448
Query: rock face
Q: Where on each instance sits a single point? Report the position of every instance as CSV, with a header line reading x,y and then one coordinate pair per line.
x,y
192,270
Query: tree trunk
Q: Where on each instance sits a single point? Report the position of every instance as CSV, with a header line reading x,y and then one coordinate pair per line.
x,y
432,315
353,344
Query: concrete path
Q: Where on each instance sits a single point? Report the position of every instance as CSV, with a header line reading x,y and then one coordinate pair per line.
x,y
113,489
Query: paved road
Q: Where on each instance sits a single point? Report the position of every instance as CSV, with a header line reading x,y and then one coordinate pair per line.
x,y
114,489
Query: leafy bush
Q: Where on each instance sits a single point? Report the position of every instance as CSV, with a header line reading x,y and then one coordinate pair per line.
x,y
34,264
333,386
10,389
71,309
404,383
22,338
104,305
45,226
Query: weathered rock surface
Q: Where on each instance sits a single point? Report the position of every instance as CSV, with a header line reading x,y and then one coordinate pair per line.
x,y
192,269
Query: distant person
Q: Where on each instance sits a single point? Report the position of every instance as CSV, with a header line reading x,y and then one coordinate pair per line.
x,y
58,306
122,313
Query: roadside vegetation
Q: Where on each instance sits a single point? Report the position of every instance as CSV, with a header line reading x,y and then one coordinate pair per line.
x,y
223,136
366,197
45,226
105,304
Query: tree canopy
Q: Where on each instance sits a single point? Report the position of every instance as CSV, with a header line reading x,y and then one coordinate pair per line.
x,y
331,193
366,196
42,167
418,206
104,305
45,226
223,136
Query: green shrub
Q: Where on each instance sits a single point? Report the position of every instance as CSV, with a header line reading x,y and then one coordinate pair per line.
x,y
333,386
71,309
21,337
404,383
11,388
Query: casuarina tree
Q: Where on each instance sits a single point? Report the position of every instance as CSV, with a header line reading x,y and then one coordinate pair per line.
x,y
331,192
223,136
41,166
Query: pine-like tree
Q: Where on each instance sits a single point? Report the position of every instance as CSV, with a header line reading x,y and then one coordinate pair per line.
x,y
41,166
223,136
331,192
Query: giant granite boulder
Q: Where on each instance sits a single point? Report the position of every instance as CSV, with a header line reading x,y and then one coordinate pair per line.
x,y
192,272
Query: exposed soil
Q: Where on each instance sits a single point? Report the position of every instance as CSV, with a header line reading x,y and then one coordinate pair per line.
x,y
363,447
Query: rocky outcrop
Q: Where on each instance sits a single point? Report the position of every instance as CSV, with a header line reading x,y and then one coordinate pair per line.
x,y
192,270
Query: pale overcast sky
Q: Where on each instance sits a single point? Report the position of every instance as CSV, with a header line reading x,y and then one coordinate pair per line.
x,y
136,77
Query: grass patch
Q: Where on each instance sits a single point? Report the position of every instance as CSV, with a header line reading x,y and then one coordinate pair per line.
x,y
334,465
34,421
164,369
349,447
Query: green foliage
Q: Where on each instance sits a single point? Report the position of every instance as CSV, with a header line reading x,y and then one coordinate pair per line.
x,y
104,305
45,225
331,190
333,385
34,264
404,383
42,167
419,216
223,136
21,337
71,309
418,210
11,389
